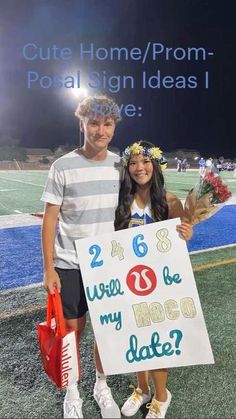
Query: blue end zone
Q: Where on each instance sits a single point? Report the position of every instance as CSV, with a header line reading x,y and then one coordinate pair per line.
x,y
20,247
218,230
20,256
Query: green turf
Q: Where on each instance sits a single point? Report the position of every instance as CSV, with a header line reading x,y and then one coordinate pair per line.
x,y
215,255
206,391
21,190
181,183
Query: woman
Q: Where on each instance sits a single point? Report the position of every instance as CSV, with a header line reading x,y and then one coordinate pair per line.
x,y
143,200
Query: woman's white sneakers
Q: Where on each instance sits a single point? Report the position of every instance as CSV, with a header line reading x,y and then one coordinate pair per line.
x,y
158,409
138,398
135,401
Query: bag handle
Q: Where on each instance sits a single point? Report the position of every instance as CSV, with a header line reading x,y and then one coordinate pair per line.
x,y
54,305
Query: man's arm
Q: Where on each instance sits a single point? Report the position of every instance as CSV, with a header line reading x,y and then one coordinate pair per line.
x,y
51,278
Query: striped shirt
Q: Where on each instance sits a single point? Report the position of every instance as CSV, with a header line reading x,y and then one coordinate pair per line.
x,y
87,192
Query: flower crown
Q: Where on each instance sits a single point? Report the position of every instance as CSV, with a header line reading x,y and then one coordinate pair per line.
x,y
154,153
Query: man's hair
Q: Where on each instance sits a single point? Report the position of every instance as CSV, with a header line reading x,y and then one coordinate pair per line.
x,y
98,106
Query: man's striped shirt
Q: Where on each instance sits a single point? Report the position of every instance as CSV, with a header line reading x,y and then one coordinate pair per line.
x,y
87,192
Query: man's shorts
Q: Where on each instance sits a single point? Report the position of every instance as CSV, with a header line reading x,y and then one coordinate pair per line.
x,y
72,293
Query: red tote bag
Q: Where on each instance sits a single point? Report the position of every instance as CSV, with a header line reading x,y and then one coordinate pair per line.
x,y
58,347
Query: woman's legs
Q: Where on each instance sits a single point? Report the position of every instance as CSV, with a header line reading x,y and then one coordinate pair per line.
x,y
159,378
142,377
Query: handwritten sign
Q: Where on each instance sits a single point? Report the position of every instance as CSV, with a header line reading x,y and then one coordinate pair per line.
x,y
143,299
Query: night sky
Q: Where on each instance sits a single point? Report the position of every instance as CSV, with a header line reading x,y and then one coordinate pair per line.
x,y
178,111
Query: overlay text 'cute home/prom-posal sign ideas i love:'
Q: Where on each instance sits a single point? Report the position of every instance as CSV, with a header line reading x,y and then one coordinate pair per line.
x,y
143,299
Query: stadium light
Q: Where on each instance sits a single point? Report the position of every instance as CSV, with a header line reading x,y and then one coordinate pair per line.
x,y
80,94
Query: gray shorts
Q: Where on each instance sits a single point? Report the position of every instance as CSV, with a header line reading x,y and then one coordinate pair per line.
x,y
72,293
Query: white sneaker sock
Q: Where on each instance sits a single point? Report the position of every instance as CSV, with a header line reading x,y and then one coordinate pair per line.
x,y
72,392
101,380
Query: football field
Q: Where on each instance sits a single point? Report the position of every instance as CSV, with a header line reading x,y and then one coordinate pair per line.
x,y
20,190
206,391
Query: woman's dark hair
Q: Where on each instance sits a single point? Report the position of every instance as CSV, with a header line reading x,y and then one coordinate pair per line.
x,y
159,205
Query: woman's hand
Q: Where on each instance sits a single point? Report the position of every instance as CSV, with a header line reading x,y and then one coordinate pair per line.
x,y
186,230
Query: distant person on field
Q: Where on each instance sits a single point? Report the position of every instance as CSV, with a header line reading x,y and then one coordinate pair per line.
x,y
202,164
209,165
184,165
179,165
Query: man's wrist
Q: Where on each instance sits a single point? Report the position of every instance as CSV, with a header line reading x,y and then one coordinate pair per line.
x,y
49,269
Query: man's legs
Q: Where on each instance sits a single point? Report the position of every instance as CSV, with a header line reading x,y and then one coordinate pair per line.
x,y
73,402
76,324
101,392
74,308
97,359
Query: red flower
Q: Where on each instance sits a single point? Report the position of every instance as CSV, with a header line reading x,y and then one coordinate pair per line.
x,y
201,201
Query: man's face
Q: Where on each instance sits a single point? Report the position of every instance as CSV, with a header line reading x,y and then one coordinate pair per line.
x,y
98,132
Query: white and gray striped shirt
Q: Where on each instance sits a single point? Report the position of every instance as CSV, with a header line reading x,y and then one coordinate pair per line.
x,y
87,192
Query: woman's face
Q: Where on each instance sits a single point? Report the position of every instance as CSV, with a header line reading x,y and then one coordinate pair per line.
x,y
140,169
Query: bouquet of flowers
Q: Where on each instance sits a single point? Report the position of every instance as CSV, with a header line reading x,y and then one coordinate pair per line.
x,y
205,198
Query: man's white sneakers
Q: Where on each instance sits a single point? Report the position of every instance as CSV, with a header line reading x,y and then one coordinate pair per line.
x,y
73,408
104,399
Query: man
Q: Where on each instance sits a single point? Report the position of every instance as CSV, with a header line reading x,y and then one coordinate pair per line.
x,y
209,165
81,194
202,164
179,165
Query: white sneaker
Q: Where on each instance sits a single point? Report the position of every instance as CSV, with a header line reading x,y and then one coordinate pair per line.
x,y
158,409
104,399
135,401
73,408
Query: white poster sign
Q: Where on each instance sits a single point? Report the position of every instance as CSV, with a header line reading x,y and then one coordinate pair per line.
x,y
143,299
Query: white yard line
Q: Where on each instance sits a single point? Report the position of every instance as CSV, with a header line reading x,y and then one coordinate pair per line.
x,y
3,206
7,190
18,220
21,181
23,310
25,287
210,249
173,181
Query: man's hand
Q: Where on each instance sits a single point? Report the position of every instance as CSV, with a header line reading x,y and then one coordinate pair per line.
x,y
51,281
186,230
